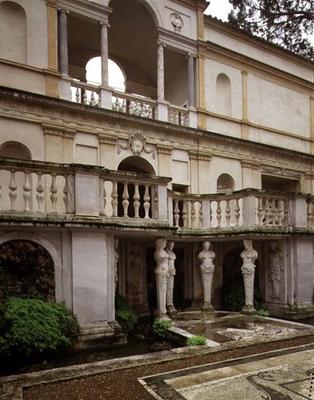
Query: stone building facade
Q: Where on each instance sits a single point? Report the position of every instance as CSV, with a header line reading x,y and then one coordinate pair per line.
x,y
212,140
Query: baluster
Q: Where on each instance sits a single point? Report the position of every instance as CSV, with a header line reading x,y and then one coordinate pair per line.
x,y
114,201
156,200
237,212
85,98
53,193
125,200
260,211
274,211
124,108
218,214
150,112
12,190
176,213
267,211
228,212
65,192
136,201
177,118
185,213
116,104
146,202
0,195
77,95
93,100
27,191
40,192
193,214
281,214
200,214
210,214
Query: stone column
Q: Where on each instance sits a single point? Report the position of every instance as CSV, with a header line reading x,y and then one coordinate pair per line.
x,y
249,256
160,73
161,272
63,42
206,257
116,261
191,80
275,269
171,274
104,53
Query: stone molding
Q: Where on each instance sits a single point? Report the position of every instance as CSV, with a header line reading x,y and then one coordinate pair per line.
x,y
105,139
250,164
281,171
164,149
58,131
199,155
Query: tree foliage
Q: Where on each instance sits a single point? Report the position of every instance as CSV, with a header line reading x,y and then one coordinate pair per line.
x,y
287,23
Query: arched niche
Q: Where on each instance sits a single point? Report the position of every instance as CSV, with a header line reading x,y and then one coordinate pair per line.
x,y
13,32
16,150
223,94
225,183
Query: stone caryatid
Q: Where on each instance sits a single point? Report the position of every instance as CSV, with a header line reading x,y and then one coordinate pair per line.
x,y
171,274
275,268
249,256
161,258
206,257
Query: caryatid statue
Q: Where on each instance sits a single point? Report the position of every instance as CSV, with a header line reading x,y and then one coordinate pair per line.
x,y
171,275
275,268
161,257
206,257
249,256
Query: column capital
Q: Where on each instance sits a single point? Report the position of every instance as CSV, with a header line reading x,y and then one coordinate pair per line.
x,y
104,24
63,10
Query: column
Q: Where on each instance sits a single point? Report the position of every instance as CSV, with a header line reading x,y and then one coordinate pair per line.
x,y
161,273
63,42
160,73
249,256
104,53
191,80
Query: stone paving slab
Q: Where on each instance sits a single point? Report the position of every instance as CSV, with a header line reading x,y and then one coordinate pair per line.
x,y
278,375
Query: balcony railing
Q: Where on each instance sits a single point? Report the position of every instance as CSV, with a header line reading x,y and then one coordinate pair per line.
x,y
134,105
34,188
179,116
85,93
42,190
244,208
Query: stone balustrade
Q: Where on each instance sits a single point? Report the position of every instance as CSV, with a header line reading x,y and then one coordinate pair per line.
x,y
134,105
243,208
85,93
178,116
33,188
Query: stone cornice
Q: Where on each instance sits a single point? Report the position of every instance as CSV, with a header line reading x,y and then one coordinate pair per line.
x,y
177,41
87,9
250,164
210,48
199,155
255,41
164,149
57,130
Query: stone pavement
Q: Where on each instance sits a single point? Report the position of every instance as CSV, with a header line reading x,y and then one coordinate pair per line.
x,y
278,375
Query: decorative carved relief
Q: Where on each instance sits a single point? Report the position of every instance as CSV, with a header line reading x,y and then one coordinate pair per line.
x,y
137,145
249,256
276,170
176,22
206,257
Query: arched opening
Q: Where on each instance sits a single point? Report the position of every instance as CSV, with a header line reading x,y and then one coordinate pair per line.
x,y
138,61
232,292
26,270
140,166
13,32
136,164
223,94
15,150
225,184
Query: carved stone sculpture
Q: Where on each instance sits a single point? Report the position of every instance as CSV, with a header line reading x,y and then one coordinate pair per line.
x,y
206,257
161,272
275,268
249,256
171,274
